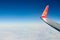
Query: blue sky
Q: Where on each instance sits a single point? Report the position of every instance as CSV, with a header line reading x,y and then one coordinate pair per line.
x,y
14,12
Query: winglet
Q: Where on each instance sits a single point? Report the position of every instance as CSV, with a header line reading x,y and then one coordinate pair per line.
x,y
44,15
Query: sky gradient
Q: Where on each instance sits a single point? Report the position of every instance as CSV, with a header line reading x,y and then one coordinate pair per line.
x,y
20,20
27,11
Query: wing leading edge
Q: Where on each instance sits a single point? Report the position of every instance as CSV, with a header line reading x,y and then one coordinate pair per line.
x,y
48,21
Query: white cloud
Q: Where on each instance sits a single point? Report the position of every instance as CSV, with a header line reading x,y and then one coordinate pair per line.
x,y
36,32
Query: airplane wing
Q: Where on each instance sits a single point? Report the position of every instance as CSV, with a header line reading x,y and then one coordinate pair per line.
x,y
48,21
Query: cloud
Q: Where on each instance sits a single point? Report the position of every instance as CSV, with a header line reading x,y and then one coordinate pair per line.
x,y
42,32
7,36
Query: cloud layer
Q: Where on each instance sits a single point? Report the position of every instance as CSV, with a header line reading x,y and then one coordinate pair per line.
x,y
42,32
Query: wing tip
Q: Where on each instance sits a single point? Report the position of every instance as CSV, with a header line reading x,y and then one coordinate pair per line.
x,y
47,5
44,15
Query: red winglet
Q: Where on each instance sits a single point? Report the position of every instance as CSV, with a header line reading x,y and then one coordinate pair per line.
x,y
44,15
